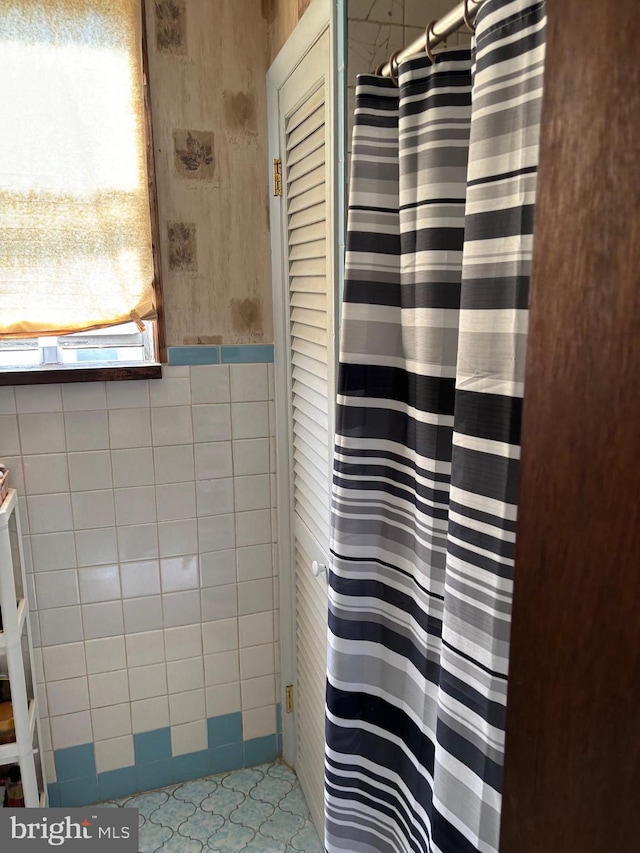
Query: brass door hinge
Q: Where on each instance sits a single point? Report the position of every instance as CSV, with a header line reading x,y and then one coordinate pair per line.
x,y
289,698
277,176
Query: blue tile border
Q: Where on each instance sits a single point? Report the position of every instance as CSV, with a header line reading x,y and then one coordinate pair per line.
x,y
223,354
79,783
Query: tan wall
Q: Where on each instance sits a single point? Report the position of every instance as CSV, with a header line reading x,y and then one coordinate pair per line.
x,y
207,66
282,16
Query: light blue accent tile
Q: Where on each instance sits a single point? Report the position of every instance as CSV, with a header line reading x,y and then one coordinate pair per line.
x,y
190,766
247,354
157,774
75,762
225,758
79,792
278,717
259,750
54,795
117,783
194,355
280,744
224,729
152,746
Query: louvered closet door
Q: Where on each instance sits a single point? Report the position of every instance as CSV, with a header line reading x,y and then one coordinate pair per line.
x,y
310,343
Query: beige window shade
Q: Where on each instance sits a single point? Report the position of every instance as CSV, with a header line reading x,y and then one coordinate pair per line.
x,y
75,227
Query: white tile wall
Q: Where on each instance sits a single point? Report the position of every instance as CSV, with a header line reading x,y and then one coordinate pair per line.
x,y
150,548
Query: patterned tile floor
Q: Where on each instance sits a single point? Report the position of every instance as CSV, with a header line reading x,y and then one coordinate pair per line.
x,y
258,810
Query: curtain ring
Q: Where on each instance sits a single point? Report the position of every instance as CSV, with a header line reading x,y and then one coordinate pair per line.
x,y
428,32
467,17
393,66
378,71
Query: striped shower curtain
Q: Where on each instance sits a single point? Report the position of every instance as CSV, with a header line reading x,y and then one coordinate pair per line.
x,y
434,330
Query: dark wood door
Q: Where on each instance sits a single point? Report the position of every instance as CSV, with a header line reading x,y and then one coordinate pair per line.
x,y
572,775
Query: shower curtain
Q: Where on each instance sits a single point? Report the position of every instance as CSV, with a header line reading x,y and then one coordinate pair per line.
x,y
434,328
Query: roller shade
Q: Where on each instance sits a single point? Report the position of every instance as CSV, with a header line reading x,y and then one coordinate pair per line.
x,y
75,226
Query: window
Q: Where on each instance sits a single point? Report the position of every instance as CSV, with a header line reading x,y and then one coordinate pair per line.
x,y
79,273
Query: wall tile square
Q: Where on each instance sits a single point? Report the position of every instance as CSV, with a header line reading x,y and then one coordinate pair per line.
x,y
102,620
256,661
57,589
132,467
145,648
140,579
7,400
219,602
252,492
72,730
15,466
249,382
185,675
49,513
253,528
78,792
213,459
215,497
177,537
259,722
224,729
255,596
191,737
114,753
43,474
179,573
150,714
117,783
129,427
256,629
96,547
190,766
39,433
86,430
90,470
223,699
111,722
221,668
258,692
218,568
135,505
220,636
9,436
171,425
93,509
250,420
187,708
251,456
254,562
170,392
176,501
66,661
145,682
225,758
67,696
105,655
174,464
128,395
210,384
216,533
181,608
38,398
108,688
81,396
152,746
260,750
211,422
99,583
175,371
183,642
142,614
75,762
61,625
156,774
138,542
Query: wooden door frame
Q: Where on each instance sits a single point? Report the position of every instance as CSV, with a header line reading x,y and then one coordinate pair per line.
x,y
319,15
572,772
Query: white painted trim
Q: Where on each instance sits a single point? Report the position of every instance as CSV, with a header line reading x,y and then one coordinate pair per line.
x,y
310,28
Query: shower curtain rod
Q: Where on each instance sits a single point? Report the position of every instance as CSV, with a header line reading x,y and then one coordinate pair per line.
x,y
462,13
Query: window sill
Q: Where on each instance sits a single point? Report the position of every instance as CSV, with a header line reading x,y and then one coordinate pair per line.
x,y
46,375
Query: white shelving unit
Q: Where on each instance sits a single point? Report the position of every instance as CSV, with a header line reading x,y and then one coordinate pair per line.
x,y
16,649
